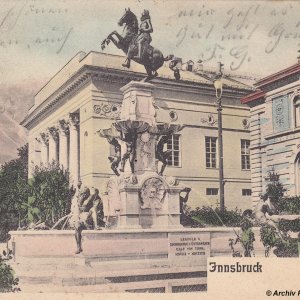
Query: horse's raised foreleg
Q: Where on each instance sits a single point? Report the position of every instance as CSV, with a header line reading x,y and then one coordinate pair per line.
x,y
116,38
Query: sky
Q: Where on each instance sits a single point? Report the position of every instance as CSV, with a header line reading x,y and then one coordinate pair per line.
x,y
37,38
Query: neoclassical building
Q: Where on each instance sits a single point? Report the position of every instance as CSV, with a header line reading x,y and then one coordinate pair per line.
x,y
275,130
84,97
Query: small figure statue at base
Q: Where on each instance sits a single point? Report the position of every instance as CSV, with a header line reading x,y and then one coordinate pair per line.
x,y
85,205
263,210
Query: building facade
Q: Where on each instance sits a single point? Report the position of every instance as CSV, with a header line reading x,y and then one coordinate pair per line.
x,y
275,131
84,96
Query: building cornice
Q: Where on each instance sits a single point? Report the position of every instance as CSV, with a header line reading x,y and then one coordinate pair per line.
x,y
292,70
257,95
89,73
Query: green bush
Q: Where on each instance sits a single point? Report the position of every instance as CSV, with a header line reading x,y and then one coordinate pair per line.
x,y
269,236
285,225
45,197
207,216
8,282
283,244
289,205
277,236
14,191
49,200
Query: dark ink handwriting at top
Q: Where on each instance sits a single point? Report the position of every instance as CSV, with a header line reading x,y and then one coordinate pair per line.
x,y
181,35
240,17
204,11
275,34
214,50
278,33
11,18
53,39
33,9
240,54
241,35
281,12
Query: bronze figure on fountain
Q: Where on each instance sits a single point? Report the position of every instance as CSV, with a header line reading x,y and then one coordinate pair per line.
x,y
135,43
162,155
116,158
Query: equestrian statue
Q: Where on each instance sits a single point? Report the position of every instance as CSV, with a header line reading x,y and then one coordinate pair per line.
x,y
135,43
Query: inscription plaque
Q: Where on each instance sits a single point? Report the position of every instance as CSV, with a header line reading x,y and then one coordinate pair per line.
x,y
189,249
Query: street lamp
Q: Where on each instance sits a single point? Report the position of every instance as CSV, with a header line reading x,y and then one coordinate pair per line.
x,y
218,86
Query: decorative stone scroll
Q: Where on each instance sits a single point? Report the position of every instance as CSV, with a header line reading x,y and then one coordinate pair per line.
x,y
210,120
245,123
108,110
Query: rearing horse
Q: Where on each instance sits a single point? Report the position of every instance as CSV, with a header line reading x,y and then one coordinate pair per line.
x,y
152,58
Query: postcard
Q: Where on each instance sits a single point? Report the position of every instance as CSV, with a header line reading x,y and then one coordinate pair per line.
x,y
149,147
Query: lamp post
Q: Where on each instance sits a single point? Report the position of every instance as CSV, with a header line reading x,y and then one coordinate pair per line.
x,y
218,86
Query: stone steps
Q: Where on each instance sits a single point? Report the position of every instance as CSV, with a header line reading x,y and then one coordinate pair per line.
x,y
164,285
110,277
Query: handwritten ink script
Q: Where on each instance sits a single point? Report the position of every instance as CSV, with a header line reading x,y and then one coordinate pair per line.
x,y
31,14
238,33
246,36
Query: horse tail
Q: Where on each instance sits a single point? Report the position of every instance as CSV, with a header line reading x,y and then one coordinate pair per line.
x,y
169,57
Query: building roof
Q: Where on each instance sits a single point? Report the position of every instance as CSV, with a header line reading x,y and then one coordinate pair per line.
x,y
278,76
82,65
257,95
273,81
110,61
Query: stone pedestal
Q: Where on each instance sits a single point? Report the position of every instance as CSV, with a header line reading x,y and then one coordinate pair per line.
x,y
145,199
138,102
148,201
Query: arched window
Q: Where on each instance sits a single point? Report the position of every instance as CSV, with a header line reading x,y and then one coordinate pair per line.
x,y
297,111
297,174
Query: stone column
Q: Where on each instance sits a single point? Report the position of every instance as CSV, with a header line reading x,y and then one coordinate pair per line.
x,y
53,143
63,143
44,148
74,148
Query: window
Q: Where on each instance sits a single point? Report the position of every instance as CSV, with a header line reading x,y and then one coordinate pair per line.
x,y
245,154
211,151
173,145
297,111
212,191
246,192
297,174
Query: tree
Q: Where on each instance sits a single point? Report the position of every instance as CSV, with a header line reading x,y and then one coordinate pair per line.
x,y
278,236
49,197
14,191
8,281
274,190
